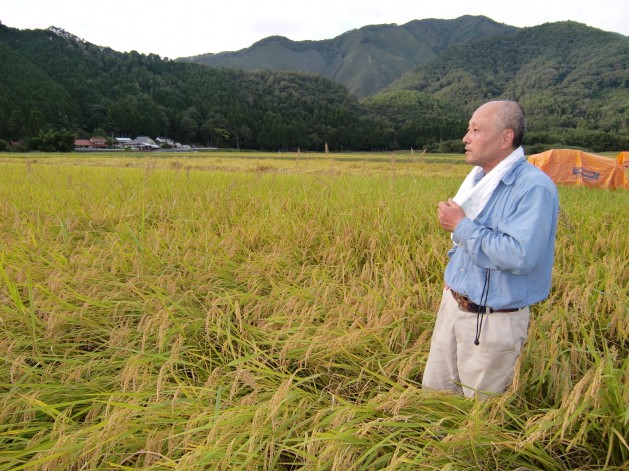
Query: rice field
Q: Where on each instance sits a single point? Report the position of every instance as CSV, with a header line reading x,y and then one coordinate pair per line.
x,y
274,311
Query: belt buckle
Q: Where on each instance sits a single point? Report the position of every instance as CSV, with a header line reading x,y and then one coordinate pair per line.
x,y
467,305
463,306
463,303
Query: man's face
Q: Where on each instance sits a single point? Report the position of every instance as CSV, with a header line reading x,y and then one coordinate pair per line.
x,y
484,144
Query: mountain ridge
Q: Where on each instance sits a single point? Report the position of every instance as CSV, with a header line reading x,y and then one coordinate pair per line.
x,y
365,60
536,66
572,80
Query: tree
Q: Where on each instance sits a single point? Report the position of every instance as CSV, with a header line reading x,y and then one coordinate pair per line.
x,y
52,141
17,125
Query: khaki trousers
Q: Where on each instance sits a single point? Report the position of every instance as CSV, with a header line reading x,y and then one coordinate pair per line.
x,y
456,364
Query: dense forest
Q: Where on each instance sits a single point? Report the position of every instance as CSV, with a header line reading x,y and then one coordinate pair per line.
x,y
571,79
53,81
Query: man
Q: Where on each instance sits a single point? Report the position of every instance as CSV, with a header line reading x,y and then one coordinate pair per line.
x,y
503,222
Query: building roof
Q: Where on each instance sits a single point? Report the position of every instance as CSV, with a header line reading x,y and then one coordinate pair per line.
x,y
142,140
99,140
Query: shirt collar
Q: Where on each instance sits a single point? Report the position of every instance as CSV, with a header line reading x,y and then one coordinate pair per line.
x,y
509,177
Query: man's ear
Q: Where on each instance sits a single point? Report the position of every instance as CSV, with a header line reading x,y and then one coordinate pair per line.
x,y
507,137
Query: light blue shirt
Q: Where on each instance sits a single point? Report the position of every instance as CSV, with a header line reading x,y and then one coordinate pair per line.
x,y
513,237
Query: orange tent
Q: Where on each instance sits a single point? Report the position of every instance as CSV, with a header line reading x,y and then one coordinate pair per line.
x,y
623,159
575,167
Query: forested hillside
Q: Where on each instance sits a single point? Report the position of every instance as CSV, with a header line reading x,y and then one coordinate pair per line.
x,y
572,80
53,80
365,60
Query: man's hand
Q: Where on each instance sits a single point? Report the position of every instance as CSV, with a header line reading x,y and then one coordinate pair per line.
x,y
449,214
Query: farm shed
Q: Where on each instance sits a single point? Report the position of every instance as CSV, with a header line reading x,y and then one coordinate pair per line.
x,y
575,167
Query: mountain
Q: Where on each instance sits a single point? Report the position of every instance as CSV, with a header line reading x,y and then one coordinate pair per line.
x,y
18,97
52,80
565,75
572,80
365,60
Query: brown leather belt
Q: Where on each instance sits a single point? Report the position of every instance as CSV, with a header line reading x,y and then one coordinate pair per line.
x,y
467,305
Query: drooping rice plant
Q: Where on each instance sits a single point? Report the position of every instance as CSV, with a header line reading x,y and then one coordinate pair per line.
x,y
250,312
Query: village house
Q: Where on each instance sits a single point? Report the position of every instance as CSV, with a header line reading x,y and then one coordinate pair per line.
x,y
165,141
123,141
95,142
140,143
143,143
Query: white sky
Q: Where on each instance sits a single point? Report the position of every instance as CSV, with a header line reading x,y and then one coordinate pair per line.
x,y
190,27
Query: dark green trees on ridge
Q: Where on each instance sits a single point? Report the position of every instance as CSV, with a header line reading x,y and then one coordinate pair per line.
x,y
571,79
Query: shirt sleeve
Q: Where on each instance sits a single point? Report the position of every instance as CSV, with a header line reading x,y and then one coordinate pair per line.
x,y
517,242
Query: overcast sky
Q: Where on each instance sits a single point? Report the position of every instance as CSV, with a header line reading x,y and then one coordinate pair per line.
x,y
190,27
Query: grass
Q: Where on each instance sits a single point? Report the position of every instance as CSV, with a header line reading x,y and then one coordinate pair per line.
x,y
231,311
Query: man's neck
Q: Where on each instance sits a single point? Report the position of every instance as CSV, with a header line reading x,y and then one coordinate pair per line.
x,y
490,166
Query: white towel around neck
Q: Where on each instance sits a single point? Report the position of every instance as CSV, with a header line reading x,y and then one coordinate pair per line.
x,y
473,198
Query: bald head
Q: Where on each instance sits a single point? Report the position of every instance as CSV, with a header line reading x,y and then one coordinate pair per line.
x,y
495,130
508,115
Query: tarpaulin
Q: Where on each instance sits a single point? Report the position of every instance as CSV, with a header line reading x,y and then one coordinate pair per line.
x,y
623,159
575,167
